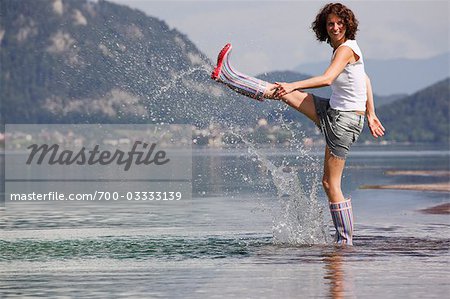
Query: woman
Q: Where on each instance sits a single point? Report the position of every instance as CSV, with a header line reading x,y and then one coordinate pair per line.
x,y
340,118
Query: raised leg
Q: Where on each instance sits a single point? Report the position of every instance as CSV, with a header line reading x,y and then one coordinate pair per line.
x,y
258,89
301,101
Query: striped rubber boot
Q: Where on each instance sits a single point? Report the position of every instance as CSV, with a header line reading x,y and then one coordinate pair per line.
x,y
342,215
249,86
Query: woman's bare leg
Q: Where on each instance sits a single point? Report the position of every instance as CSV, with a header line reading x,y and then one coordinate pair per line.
x,y
259,89
340,208
300,101
333,168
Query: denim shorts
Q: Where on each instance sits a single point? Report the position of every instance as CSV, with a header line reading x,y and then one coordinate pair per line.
x,y
341,128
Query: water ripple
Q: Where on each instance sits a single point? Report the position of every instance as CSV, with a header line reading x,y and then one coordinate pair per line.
x,y
134,248
214,247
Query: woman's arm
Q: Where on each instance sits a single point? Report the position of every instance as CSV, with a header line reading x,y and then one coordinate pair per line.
x,y
375,126
342,57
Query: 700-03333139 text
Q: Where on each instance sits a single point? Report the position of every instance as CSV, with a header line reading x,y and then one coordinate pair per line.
x,y
99,196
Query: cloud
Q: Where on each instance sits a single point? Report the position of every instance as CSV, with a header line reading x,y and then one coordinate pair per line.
x,y
269,35
403,29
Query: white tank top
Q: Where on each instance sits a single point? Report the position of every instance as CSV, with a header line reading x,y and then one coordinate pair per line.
x,y
349,91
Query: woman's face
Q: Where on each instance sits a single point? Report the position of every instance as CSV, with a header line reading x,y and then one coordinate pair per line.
x,y
335,28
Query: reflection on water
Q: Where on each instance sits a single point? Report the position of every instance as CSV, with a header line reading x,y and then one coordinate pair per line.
x,y
340,286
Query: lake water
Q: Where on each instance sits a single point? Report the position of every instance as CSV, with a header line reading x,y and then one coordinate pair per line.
x,y
236,237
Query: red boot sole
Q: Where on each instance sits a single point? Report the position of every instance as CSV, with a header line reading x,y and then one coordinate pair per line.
x,y
216,73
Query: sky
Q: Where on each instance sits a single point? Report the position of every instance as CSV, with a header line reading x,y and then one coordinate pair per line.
x,y
276,35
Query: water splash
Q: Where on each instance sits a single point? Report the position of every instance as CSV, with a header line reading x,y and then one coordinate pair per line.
x,y
299,219
180,75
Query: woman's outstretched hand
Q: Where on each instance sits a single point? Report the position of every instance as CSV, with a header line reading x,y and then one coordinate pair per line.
x,y
282,88
375,126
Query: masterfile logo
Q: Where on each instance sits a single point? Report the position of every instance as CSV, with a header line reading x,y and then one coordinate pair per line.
x,y
111,161
148,155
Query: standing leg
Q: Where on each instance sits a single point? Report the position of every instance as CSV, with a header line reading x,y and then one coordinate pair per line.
x,y
340,208
333,167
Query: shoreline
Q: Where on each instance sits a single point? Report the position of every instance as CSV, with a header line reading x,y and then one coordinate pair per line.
x,y
435,173
442,209
438,187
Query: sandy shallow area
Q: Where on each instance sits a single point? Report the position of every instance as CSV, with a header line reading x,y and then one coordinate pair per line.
x,y
443,209
435,173
438,187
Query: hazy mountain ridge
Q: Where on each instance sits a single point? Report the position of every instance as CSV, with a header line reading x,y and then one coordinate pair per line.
x,y
396,76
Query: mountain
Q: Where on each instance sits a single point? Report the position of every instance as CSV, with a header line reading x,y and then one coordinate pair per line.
x,y
396,76
78,61
421,117
383,100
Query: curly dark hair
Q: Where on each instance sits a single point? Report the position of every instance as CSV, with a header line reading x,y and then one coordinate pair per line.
x,y
319,26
